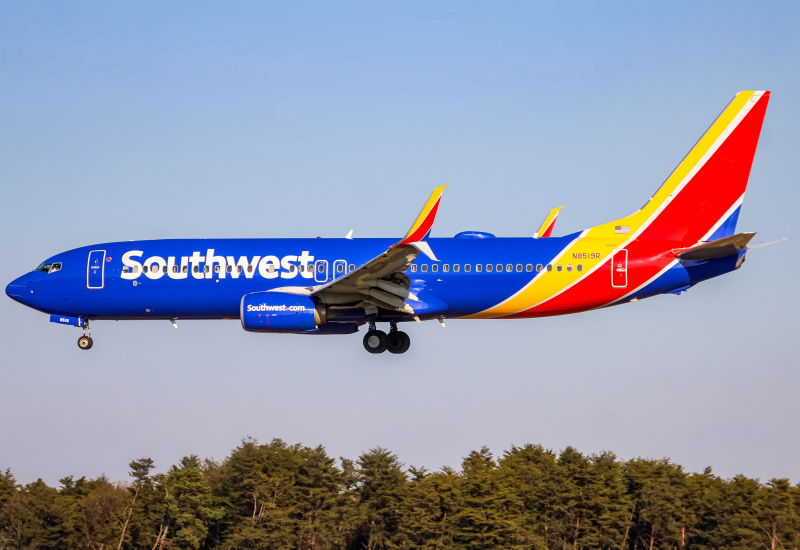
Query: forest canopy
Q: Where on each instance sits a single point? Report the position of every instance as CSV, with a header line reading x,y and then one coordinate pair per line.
x,y
281,496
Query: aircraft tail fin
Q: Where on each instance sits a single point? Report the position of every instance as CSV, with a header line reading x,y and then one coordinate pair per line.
x,y
700,200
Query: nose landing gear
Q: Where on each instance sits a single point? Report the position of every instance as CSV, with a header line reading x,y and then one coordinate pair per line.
x,y
377,341
85,341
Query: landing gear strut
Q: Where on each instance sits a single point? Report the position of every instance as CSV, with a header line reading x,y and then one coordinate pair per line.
x,y
377,341
85,341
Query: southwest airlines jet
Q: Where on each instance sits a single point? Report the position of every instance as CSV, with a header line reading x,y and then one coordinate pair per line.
x,y
683,235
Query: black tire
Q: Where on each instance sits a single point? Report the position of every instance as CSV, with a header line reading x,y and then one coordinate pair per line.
x,y
375,341
85,342
398,342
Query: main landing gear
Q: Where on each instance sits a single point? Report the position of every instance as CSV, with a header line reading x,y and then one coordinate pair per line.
x,y
377,341
85,341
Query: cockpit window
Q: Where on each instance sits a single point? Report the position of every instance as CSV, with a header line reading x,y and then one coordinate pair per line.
x,y
49,267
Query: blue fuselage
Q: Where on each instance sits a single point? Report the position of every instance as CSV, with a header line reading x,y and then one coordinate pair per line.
x,y
207,278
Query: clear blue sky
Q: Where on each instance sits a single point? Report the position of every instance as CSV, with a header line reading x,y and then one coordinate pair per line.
x,y
253,119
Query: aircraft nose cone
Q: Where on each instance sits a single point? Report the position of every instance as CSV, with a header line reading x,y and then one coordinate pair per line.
x,y
17,289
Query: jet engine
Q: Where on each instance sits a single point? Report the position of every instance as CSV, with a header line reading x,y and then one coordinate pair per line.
x,y
280,312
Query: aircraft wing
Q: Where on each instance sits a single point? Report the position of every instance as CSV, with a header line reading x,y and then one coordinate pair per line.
x,y
549,223
381,282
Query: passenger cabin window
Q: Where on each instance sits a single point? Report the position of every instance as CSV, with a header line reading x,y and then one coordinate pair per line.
x,y
569,267
446,268
163,269
456,268
549,267
206,269
196,269
424,268
239,268
478,268
216,269
539,268
435,268
351,267
509,268
529,268
292,267
467,268
413,268
339,268
489,268
580,267
144,269
519,268
125,269
499,268
249,268
174,268
229,269
558,267
185,269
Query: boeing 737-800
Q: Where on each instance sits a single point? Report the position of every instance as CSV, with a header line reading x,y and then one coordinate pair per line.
x,y
683,235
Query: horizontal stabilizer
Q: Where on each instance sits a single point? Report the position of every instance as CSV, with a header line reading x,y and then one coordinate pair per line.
x,y
720,248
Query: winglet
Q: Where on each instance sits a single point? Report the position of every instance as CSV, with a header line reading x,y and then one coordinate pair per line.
x,y
549,223
421,227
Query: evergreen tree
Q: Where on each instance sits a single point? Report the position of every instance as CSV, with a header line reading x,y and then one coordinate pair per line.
x,y
189,505
607,504
422,514
8,485
380,493
99,509
777,518
655,486
36,517
535,476
276,496
319,499
490,515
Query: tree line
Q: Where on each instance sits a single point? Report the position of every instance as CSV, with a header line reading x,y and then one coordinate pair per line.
x,y
292,497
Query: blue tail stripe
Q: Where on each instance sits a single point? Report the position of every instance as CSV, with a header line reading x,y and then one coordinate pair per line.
x,y
727,228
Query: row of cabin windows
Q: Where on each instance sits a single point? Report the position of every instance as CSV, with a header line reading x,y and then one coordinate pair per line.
x,y
491,267
499,268
229,269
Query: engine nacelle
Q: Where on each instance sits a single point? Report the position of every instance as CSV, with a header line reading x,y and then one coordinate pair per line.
x,y
280,312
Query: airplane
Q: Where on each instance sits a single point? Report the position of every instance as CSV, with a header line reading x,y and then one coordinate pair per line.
x,y
683,235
